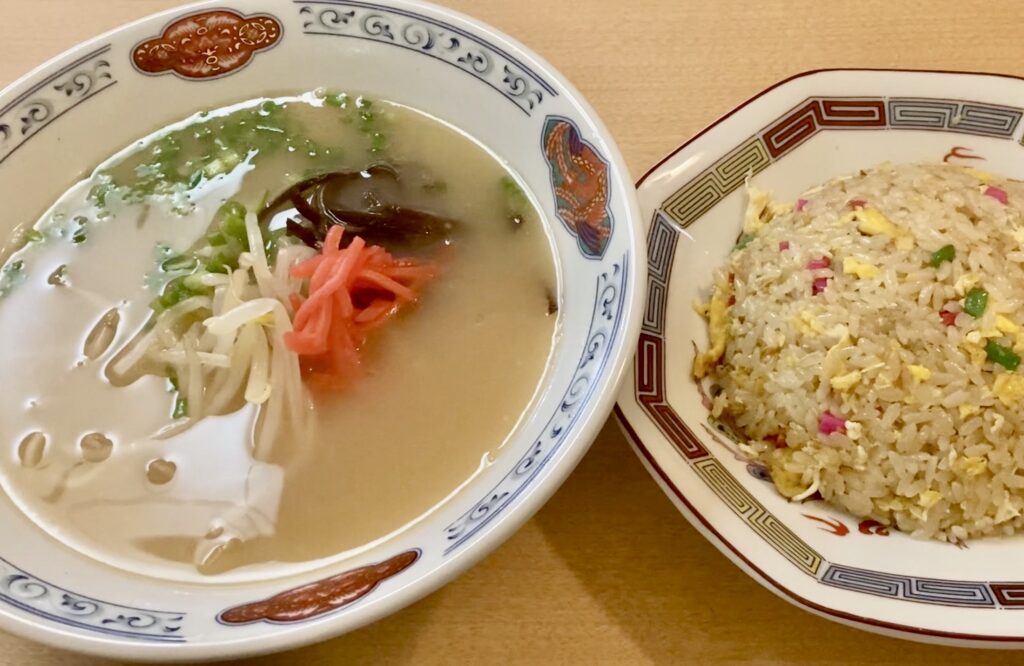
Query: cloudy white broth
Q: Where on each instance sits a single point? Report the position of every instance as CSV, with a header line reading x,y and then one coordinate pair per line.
x,y
268,335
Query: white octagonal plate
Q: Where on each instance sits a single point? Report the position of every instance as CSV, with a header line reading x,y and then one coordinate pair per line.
x,y
801,132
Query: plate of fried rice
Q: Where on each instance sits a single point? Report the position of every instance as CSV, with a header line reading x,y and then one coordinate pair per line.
x,y
829,382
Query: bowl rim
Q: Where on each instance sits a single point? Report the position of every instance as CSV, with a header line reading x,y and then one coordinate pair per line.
x,y
706,527
594,416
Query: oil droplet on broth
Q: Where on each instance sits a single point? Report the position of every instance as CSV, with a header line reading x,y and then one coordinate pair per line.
x,y
96,447
221,558
160,472
59,277
101,335
221,554
31,449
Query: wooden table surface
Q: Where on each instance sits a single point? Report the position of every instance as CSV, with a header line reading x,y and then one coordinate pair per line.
x,y
608,571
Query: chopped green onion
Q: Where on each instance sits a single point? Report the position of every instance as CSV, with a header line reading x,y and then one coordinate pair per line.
x,y
231,251
179,263
12,275
1004,356
79,234
338,101
232,209
511,187
175,293
195,284
226,141
59,276
227,161
180,408
975,302
515,198
33,236
15,266
100,192
217,239
270,246
234,227
168,146
268,108
743,242
218,265
172,378
943,254
232,220
170,298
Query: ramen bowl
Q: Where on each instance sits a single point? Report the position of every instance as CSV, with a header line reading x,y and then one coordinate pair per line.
x,y
73,112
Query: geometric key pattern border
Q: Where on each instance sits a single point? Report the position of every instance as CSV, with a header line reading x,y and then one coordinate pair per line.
x,y
816,114
649,390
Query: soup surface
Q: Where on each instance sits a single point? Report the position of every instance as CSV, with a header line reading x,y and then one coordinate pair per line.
x,y
103,465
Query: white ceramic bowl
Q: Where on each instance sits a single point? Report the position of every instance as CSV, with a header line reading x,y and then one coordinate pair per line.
x,y
801,132
71,113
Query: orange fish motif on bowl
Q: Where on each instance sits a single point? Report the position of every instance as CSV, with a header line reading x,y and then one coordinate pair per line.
x,y
207,45
579,176
315,599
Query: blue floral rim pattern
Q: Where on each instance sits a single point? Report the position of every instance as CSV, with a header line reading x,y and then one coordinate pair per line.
x,y
52,97
439,40
38,597
605,326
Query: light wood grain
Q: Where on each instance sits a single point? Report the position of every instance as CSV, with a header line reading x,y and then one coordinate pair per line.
x,y
608,571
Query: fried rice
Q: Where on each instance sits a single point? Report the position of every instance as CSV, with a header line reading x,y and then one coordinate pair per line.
x,y
865,342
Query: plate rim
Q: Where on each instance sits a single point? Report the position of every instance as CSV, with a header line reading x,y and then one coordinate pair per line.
x,y
802,75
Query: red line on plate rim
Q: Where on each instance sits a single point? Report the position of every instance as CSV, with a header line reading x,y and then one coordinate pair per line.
x,y
646,455
810,72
